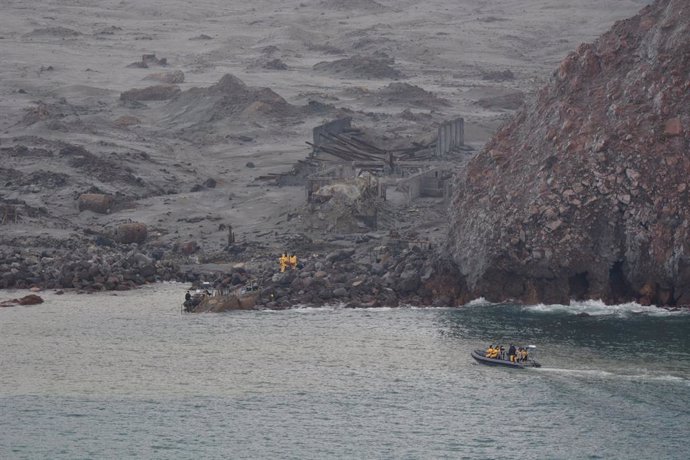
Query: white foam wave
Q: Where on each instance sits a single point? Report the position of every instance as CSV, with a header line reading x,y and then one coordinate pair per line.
x,y
308,309
599,308
596,373
408,306
480,302
336,307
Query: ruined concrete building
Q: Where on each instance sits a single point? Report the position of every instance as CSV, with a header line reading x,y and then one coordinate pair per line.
x,y
412,172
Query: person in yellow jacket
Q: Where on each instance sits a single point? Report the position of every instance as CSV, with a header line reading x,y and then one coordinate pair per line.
x,y
497,351
283,261
489,351
493,354
293,262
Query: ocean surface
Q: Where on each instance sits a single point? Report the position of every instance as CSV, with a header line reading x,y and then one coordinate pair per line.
x,y
129,376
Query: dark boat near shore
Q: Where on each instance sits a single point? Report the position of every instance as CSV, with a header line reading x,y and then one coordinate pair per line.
x,y
208,299
480,357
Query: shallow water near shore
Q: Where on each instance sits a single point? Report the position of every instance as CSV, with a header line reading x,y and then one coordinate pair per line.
x,y
128,376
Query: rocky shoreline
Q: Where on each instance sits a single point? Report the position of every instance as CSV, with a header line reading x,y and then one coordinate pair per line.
x,y
372,273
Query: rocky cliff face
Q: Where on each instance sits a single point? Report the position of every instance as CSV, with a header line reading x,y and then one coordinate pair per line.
x,y
584,194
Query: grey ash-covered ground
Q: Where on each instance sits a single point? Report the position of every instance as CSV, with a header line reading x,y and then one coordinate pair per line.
x,y
175,111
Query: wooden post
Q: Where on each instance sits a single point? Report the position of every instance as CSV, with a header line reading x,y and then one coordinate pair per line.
x,y
231,236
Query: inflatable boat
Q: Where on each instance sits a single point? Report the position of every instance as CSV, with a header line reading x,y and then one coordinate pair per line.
x,y
480,357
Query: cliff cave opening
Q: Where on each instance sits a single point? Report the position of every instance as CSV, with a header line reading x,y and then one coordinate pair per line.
x,y
579,286
619,287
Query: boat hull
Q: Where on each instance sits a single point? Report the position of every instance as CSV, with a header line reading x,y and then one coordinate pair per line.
x,y
478,355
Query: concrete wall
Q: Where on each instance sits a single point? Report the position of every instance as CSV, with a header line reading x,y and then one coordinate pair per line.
x,y
413,188
451,134
433,183
432,186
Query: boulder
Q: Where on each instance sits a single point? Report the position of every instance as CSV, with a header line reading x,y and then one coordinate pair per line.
x,y
31,299
340,255
673,127
133,232
96,202
340,292
408,282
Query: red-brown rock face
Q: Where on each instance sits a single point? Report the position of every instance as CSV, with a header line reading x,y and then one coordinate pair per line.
x,y
584,194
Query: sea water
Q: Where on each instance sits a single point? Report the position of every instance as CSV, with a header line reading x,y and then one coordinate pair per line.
x,y
129,376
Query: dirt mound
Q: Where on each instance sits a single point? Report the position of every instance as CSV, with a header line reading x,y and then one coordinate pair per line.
x,y
275,64
171,78
498,75
22,151
58,32
46,179
151,93
229,98
510,101
410,95
365,5
46,111
148,60
95,166
567,201
14,179
366,67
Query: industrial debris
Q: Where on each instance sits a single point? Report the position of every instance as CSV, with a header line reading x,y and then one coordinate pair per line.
x,y
349,179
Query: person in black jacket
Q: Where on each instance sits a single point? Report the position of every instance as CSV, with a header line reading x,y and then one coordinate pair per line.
x,y
512,353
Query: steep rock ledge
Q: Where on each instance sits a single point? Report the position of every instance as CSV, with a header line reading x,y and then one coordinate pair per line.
x,y
584,194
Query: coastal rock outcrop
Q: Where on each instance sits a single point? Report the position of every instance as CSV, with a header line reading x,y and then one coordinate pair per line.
x,y
31,299
584,193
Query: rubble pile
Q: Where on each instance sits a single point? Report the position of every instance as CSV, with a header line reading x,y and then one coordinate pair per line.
x,y
85,266
370,274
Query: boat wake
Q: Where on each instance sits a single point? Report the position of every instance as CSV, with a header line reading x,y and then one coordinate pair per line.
x,y
599,374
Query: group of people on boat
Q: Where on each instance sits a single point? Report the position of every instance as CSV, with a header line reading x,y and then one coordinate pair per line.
x,y
515,354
